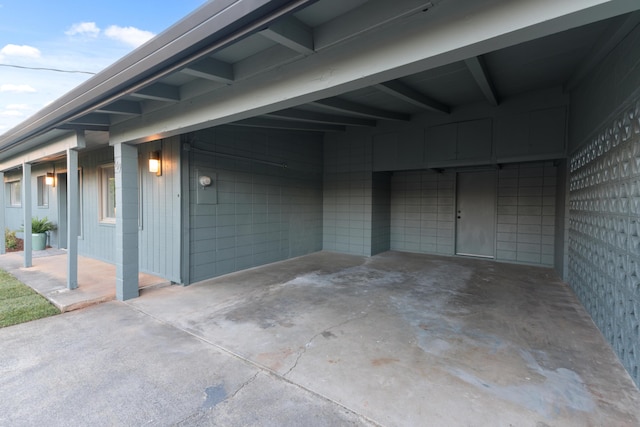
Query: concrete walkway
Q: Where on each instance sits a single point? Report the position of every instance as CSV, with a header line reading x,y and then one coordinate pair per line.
x,y
325,340
48,276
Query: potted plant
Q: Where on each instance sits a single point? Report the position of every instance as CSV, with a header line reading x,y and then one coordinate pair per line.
x,y
39,230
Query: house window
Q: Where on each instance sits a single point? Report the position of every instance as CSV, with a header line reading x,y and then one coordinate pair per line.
x,y
15,193
107,194
43,192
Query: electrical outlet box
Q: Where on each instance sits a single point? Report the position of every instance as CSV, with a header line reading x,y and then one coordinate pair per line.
x,y
206,187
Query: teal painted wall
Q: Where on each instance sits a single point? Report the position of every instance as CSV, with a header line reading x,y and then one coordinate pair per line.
x,y
261,212
604,197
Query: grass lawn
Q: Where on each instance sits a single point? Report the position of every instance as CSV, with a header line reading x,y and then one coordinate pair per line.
x,y
19,303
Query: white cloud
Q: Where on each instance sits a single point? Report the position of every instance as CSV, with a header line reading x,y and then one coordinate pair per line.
x,y
8,87
17,107
89,29
22,51
11,113
129,35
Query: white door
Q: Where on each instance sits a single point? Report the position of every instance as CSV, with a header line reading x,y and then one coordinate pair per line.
x,y
476,214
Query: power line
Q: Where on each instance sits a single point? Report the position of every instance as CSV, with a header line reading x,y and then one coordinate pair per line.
x,y
47,69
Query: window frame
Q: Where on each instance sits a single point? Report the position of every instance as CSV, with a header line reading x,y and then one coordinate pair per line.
x,y
11,195
42,192
106,174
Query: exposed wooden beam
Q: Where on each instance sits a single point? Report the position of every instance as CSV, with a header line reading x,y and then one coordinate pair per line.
x,y
288,125
292,33
372,14
92,119
343,106
618,30
396,49
159,92
480,74
211,69
401,91
128,108
313,117
82,127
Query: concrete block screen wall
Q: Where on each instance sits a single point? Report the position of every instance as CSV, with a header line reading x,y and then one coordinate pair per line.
x,y
604,234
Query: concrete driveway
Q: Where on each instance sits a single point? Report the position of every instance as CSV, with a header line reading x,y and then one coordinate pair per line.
x,y
326,339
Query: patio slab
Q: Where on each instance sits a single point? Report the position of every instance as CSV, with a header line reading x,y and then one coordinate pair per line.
x,y
326,339
48,277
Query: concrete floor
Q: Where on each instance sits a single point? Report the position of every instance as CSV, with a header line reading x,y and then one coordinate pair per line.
x,y
326,339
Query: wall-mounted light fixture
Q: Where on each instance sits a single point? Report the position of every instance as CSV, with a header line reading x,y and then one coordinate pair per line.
x,y
155,163
50,179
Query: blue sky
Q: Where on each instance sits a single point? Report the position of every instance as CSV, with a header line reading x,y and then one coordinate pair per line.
x,y
71,36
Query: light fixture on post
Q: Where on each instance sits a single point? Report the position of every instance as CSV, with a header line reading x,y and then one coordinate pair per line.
x,y
50,179
155,163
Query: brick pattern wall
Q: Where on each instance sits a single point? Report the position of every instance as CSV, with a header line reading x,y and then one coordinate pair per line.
x,y
264,213
422,212
604,232
526,213
347,204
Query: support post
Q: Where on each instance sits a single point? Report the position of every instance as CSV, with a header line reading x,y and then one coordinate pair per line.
x,y
126,176
26,212
73,219
3,247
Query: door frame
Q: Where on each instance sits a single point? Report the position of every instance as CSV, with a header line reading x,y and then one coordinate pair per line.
x,y
495,215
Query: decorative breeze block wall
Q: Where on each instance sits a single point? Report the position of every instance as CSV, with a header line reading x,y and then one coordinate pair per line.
x,y
604,233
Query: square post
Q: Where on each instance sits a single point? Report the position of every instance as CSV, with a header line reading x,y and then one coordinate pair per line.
x,y
73,213
26,212
3,246
126,177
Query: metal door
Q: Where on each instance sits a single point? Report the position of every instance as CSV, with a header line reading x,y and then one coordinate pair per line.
x,y
476,214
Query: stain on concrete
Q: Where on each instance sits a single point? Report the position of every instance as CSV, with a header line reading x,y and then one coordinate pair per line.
x,y
383,361
328,334
560,390
274,360
214,395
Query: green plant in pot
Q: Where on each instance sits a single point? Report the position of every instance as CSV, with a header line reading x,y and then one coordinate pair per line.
x,y
39,230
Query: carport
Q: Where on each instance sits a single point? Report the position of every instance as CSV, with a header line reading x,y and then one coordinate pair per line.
x,y
502,130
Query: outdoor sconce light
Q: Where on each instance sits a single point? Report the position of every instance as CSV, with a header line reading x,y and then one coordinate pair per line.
x,y
155,163
205,181
50,179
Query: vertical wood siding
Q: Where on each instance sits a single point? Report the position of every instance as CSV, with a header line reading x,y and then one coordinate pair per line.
x,y
160,217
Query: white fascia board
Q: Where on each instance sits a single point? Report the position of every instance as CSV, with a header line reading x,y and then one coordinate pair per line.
x,y
59,145
452,31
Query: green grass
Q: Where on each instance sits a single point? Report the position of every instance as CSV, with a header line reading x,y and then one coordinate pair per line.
x,y
19,303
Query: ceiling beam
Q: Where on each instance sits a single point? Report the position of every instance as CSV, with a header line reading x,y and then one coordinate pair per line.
x,y
479,71
128,108
91,119
211,69
371,15
618,30
292,33
426,41
159,92
343,106
313,117
288,125
80,127
401,91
